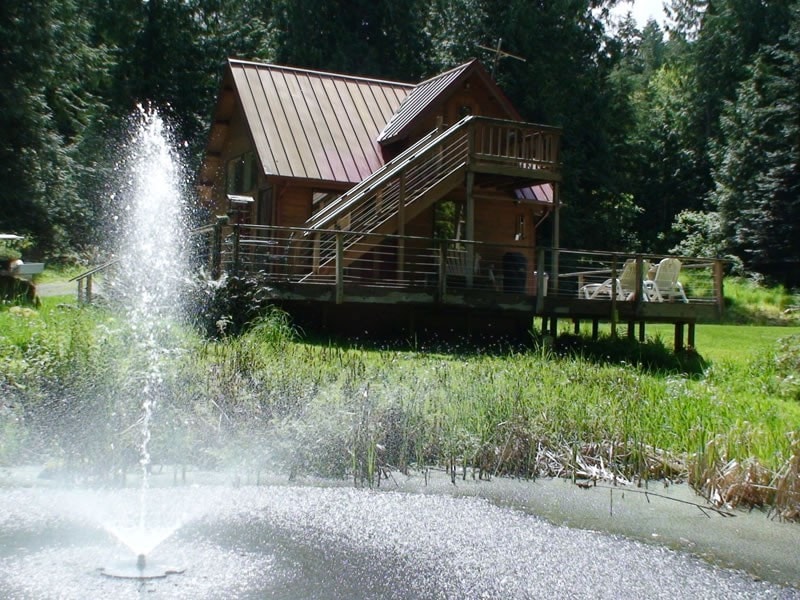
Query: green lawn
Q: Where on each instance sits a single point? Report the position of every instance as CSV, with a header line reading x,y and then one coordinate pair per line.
x,y
736,343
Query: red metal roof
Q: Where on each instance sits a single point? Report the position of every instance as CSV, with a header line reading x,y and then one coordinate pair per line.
x,y
315,125
429,91
542,193
418,100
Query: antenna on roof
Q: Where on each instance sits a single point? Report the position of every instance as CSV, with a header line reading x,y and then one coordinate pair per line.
x,y
498,54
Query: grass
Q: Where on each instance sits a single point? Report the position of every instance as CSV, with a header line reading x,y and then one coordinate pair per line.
x,y
749,301
263,399
737,343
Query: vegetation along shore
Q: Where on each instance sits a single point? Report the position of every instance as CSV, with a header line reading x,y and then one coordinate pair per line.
x,y
728,421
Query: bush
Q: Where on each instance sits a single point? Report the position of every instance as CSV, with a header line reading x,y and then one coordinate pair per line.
x,y
229,306
7,253
787,359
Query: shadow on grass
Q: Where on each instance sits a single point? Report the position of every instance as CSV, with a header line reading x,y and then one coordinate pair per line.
x,y
652,355
462,345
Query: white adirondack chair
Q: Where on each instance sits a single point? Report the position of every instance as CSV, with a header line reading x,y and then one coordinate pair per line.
x,y
627,284
665,287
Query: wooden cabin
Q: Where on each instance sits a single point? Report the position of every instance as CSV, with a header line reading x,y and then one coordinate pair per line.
x,y
371,205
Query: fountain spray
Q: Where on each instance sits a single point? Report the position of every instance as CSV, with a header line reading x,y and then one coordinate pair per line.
x,y
152,265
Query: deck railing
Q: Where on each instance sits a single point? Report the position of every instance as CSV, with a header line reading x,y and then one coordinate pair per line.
x,y
444,269
587,274
85,280
205,247
520,145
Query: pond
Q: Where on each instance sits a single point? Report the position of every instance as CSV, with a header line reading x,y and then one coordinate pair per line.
x,y
411,539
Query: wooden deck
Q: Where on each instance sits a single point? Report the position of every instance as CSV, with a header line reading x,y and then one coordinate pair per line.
x,y
379,284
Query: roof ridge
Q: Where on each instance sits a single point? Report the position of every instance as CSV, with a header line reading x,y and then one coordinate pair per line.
x,y
461,67
329,74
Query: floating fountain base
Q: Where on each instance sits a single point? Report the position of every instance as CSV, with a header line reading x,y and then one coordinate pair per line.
x,y
140,570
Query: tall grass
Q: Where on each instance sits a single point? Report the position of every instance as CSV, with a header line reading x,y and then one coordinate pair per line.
x,y
265,400
501,413
749,301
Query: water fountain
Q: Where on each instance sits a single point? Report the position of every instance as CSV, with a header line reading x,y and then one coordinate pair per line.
x,y
152,264
421,538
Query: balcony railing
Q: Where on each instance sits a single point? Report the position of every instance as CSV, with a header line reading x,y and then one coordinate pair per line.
x,y
545,280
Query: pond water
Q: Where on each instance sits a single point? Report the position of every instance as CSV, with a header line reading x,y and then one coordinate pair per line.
x,y
410,539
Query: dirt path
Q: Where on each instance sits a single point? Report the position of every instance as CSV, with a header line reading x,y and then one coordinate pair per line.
x,y
57,288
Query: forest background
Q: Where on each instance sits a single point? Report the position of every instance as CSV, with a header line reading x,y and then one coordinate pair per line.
x,y
678,138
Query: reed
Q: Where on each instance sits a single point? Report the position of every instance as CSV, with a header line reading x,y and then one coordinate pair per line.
x,y
266,400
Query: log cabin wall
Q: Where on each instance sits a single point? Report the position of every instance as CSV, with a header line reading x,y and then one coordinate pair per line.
x,y
473,99
236,144
294,205
510,225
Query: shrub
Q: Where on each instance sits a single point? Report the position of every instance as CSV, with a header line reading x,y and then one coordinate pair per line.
x,y
7,253
230,305
787,361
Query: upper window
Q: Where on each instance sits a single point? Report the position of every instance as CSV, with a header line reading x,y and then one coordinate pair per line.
x,y
242,174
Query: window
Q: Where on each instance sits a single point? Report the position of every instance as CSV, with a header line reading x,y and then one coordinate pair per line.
x,y
242,174
321,198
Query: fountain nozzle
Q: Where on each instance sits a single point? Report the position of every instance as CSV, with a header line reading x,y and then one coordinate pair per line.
x,y
142,570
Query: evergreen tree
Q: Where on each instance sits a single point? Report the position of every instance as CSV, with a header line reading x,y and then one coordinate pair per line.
x,y
454,28
50,73
380,38
563,81
757,174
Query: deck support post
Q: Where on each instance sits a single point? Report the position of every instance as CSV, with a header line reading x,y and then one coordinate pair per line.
x,y
85,289
540,281
614,314
216,248
442,268
641,332
339,267
470,228
719,295
631,330
236,237
556,239
315,253
595,329
576,326
678,343
639,294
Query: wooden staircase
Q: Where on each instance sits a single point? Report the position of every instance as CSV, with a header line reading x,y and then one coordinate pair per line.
x,y
393,195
